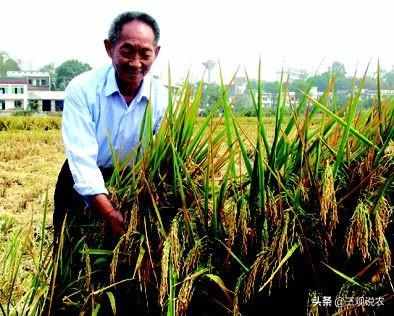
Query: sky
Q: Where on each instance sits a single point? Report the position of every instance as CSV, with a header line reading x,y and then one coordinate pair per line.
x,y
286,34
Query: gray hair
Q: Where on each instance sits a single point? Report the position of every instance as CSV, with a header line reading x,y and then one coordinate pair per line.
x,y
126,17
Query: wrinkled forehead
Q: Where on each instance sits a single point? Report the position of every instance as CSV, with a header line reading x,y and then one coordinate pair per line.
x,y
137,32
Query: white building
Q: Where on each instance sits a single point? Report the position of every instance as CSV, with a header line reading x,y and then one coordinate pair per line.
x,y
366,93
268,99
24,90
13,94
46,101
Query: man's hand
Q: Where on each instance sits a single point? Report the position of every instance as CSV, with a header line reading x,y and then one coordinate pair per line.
x,y
112,216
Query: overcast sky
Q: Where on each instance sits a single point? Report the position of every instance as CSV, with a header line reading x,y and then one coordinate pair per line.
x,y
302,34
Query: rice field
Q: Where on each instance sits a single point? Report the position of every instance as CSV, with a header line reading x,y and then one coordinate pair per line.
x,y
233,212
31,155
29,163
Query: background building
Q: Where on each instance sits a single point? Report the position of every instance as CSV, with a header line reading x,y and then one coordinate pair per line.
x,y
29,90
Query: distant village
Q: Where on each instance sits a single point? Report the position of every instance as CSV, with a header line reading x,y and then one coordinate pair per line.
x,y
269,99
30,91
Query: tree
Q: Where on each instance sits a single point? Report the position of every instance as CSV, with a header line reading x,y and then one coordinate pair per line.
x,y
211,94
320,81
67,71
243,104
270,86
388,80
50,68
370,83
7,64
338,69
343,83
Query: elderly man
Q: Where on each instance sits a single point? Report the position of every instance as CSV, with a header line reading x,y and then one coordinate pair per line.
x,y
104,110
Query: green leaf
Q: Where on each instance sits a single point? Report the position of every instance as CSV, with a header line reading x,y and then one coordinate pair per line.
x,y
218,281
112,301
140,255
96,310
97,252
281,263
341,122
345,277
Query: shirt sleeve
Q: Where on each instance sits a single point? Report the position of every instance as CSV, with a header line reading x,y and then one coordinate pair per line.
x,y
80,142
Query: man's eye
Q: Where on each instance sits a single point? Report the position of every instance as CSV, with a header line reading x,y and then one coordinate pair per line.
x,y
146,53
126,51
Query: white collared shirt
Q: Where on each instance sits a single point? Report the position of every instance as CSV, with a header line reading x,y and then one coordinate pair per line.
x,y
96,118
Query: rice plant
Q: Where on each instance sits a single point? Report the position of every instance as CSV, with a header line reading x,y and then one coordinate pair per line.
x,y
24,288
215,216
29,123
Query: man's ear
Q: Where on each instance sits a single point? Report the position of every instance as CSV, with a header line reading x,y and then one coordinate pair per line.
x,y
108,47
157,50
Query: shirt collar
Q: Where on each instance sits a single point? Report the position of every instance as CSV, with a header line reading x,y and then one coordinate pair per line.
x,y
111,86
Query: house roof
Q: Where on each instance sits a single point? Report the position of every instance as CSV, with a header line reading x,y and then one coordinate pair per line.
x,y
13,81
22,74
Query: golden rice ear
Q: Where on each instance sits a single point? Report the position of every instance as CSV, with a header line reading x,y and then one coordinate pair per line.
x,y
389,151
134,222
184,297
381,220
165,262
243,227
176,248
258,268
88,269
328,201
115,259
360,231
193,258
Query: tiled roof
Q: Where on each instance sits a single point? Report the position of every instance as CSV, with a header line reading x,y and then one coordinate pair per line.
x,y
13,81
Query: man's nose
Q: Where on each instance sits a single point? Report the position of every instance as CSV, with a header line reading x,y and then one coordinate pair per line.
x,y
135,62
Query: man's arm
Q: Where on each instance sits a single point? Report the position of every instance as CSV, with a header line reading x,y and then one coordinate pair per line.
x,y
78,130
103,205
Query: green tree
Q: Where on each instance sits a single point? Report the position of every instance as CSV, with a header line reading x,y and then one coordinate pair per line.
x,y
243,105
211,94
343,83
67,71
388,80
7,64
338,69
319,81
270,86
50,68
299,86
370,83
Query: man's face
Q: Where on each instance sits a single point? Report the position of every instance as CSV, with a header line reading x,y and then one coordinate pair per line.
x,y
133,54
